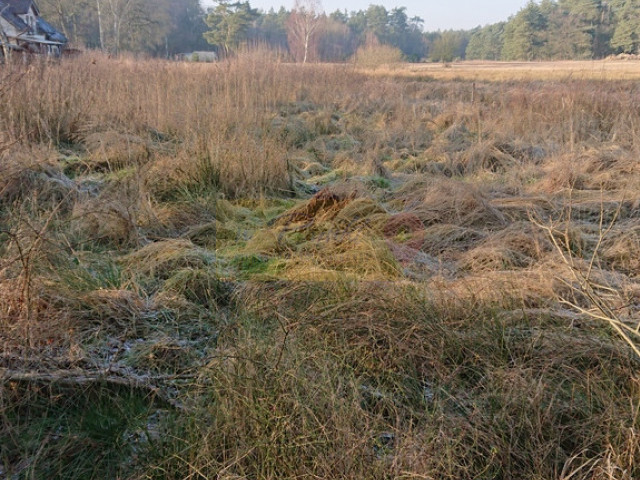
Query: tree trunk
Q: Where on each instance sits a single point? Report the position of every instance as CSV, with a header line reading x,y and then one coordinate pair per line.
x,y
116,35
306,48
5,44
100,29
62,19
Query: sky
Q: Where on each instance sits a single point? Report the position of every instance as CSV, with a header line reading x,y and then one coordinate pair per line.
x,y
437,14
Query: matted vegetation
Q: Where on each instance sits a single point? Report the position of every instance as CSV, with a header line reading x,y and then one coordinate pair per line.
x,y
257,270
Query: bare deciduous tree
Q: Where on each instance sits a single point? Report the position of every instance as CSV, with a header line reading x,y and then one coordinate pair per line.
x,y
303,26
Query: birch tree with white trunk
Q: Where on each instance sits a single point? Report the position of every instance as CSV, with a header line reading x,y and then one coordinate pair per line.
x,y
303,26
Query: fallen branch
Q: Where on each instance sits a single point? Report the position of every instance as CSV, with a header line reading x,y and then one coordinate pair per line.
x,y
82,377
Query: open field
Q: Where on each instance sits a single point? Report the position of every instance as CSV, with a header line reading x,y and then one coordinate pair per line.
x,y
610,69
251,270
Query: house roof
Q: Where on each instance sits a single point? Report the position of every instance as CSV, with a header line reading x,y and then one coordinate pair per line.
x,y
9,14
49,31
21,7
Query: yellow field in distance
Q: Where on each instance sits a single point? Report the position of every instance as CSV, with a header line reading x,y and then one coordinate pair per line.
x,y
507,71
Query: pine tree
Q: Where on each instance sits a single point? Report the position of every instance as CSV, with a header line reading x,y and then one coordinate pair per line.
x,y
626,36
583,26
524,34
229,23
486,43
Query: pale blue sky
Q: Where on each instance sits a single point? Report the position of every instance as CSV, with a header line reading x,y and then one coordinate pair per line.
x,y
437,14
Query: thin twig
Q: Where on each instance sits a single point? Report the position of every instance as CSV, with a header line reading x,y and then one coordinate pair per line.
x,y
583,285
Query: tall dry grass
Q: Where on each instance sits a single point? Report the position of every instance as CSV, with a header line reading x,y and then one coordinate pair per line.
x,y
221,115
235,115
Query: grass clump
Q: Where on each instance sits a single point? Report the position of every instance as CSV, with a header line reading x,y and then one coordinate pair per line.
x,y
357,255
270,242
159,260
163,355
180,267
200,286
112,310
31,174
429,371
257,266
450,201
110,151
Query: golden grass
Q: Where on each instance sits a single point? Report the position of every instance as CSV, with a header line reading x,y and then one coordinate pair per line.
x,y
605,70
161,259
444,200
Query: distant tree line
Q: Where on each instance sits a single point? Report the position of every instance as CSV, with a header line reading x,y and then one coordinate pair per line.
x,y
547,29
309,34
156,27
168,27
561,29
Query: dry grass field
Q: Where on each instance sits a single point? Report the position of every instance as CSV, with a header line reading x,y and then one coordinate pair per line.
x,y
253,270
609,69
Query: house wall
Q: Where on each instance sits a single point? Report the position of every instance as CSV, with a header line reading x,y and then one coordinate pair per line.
x,y
30,17
9,30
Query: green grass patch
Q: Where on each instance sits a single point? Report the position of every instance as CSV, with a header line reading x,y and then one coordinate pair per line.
x,y
379,182
77,433
252,265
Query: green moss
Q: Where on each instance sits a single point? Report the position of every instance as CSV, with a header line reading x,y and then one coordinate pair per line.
x,y
251,263
379,182
254,265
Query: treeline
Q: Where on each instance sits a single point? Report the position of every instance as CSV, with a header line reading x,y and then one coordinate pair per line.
x,y
311,35
167,27
548,29
155,27
562,29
